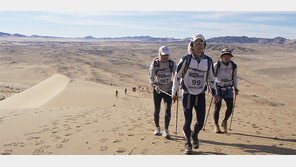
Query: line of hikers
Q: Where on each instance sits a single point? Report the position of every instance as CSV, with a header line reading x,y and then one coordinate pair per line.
x,y
196,73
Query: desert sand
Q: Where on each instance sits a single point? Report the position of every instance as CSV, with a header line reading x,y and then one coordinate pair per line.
x,y
58,100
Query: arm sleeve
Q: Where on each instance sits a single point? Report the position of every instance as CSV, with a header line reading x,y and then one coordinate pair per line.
x,y
215,69
152,74
235,78
177,76
212,80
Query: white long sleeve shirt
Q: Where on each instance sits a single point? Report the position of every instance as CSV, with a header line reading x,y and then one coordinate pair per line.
x,y
195,79
224,75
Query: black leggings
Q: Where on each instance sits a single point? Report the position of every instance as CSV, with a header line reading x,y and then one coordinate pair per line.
x,y
157,102
229,103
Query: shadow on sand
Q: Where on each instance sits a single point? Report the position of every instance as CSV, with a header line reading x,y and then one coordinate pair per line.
x,y
256,148
272,138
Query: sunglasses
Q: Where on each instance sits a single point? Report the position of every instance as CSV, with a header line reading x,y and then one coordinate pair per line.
x,y
199,43
164,55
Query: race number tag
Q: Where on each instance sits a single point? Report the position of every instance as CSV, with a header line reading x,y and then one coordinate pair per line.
x,y
195,80
163,77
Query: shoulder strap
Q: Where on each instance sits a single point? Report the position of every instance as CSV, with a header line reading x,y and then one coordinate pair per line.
x,y
171,64
234,66
156,62
218,67
187,63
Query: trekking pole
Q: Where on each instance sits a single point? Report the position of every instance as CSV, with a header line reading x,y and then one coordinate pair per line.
x,y
232,112
208,114
177,119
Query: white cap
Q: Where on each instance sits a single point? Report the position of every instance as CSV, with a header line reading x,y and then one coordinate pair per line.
x,y
197,36
163,50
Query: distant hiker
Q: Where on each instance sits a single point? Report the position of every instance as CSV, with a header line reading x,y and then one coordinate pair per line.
x,y
139,87
225,71
134,89
116,93
195,71
125,91
160,76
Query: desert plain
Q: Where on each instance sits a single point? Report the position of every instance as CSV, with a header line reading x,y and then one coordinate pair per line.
x,y
58,98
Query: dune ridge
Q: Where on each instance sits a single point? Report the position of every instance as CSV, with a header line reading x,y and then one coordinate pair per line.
x,y
37,95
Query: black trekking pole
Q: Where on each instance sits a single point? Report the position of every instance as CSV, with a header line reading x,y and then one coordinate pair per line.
x,y
177,119
208,114
232,112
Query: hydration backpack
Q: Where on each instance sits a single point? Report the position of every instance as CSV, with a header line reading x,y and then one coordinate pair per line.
x,y
156,63
234,66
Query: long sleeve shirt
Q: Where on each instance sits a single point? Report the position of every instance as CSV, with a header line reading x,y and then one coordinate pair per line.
x,y
162,75
226,76
195,79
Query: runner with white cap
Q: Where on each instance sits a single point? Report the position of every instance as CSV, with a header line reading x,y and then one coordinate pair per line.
x,y
160,76
195,71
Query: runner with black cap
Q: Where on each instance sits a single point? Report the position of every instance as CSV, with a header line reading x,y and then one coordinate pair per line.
x,y
226,78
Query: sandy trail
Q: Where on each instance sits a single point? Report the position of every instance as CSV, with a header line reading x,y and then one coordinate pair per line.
x,y
125,126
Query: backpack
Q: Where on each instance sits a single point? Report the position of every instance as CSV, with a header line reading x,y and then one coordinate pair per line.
x,y
156,63
187,63
234,66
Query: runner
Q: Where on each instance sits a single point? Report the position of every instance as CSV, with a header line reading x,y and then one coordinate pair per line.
x,y
194,71
160,77
226,78
116,93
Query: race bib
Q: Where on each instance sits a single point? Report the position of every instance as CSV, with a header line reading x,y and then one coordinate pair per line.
x,y
163,77
195,81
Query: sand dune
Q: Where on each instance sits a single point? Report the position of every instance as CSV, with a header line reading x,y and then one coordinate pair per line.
x,y
37,95
61,91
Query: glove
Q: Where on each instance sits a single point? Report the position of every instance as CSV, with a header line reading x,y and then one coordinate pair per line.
x,y
157,89
236,91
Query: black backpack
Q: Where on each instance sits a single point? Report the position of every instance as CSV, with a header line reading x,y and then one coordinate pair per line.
x,y
234,66
171,64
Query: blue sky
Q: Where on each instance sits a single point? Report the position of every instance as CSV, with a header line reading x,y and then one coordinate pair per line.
x,y
176,24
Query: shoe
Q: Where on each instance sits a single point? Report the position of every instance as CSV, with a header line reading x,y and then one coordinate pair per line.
x,y
188,148
224,126
195,141
166,134
157,131
217,129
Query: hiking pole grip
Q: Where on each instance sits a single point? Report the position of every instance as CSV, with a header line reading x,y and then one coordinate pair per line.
x,y
208,114
232,111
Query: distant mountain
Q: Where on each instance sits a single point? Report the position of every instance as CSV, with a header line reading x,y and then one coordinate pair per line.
x,y
40,36
248,40
89,37
18,35
3,34
215,40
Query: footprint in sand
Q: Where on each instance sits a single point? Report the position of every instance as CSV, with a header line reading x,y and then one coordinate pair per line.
x,y
65,140
37,142
7,152
68,134
41,150
120,150
15,144
103,139
117,141
103,148
59,145
144,151
130,134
